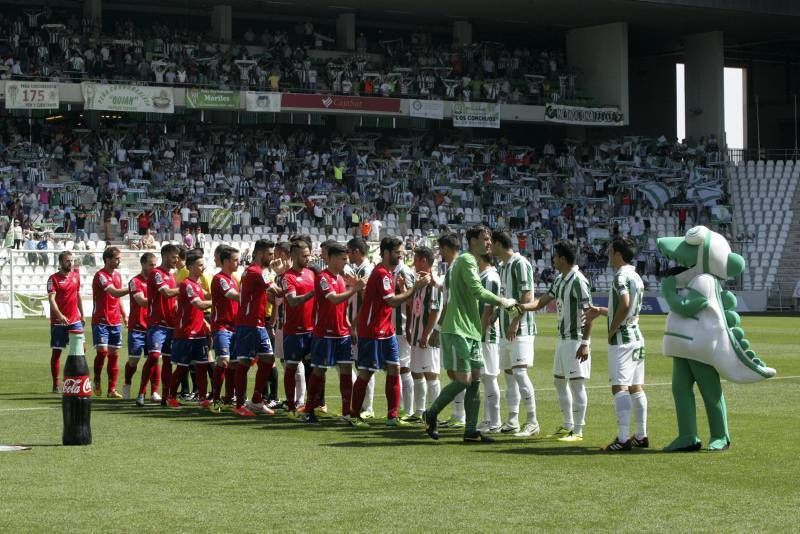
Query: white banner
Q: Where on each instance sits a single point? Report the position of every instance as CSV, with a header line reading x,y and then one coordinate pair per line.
x,y
427,109
475,115
31,95
130,98
583,116
262,101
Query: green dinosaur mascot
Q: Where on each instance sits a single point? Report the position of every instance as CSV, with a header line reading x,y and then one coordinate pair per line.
x,y
703,336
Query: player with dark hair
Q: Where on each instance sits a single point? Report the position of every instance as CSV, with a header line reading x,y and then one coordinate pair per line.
x,y
66,310
224,308
360,268
107,319
137,324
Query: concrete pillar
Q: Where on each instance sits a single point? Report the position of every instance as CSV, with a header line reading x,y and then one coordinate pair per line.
x,y
222,22
93,9
462,33
346,31
705,85
600,53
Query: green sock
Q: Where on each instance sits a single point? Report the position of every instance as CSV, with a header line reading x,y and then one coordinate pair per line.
x,y
472,406
446,396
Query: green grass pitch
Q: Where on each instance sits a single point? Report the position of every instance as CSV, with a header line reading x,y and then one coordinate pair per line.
x,y
155,470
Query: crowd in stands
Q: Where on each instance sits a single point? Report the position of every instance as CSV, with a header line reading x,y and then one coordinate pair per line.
x,y
47,46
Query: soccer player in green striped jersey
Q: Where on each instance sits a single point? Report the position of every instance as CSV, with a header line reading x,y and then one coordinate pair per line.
x,y
625,347
400,317
491,350
461,336
423,318
572,362
517,332
359,267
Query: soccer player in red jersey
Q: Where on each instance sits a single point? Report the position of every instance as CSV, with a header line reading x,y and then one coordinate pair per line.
x,y
162,317
137,323
224,308
377,345
107,319
252,340
66,310
191,333
298,294
331,346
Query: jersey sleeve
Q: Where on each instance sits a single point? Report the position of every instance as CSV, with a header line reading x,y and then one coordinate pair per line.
x,y
134,287
525,276
619,286
289,285
436,298
583,295
386,287
158,280
103,280
188,290
52,285
551,291
325,285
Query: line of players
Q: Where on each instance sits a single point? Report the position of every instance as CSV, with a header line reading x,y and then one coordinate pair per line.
x,y
387,317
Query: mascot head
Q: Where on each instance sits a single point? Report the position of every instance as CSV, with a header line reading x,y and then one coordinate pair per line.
x,y
703,251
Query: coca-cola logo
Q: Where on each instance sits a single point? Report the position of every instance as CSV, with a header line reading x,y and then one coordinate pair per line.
x,y
77,386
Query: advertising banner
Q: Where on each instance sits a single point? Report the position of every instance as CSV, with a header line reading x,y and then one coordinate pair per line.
x,y
260,101
209,99
475,115
341,102
427,109
582,116
31,95
128,98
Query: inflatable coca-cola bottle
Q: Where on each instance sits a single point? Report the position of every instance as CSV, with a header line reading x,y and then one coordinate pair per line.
x,y
76,404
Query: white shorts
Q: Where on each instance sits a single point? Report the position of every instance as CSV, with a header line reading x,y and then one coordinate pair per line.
x,y
517,352
566,364
491,359
427,360
625,365
278,346
405,351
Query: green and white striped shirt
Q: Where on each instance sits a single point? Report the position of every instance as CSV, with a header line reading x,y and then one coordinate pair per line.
x,y
572,295
626,282
399,312
426,301
491,281
359,271
516,276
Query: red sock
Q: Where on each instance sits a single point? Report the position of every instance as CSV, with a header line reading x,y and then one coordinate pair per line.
x,y
147,371
202,380
113,370
315,383
359,392
393,395
166,376
216,381
262,376
130,370
230,381
176,377
55,366
289,385
241,383
155,377
99,360
346,389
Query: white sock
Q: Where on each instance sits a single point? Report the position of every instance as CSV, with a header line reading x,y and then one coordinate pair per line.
x,y
300,384
579,402
564,400
639,402
491,399
526,393
622,404
369,398
434,388
512,397
407,392
420,395
458,407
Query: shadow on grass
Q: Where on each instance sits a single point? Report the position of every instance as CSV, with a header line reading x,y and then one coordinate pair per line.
x,y
563,451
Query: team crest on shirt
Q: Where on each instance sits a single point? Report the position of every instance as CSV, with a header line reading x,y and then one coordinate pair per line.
x,y
387,283
224,285
50,285
323,284
158,278
189,291
104,280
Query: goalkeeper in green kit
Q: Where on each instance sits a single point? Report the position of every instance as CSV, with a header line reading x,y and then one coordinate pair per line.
x,y
461,335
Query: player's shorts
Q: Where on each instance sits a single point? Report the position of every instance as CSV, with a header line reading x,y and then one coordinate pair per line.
x,y
159,339
375,354
297,347
491,359
328,352
516,352
104,335
278,343
137,343
626,364
405,351
427,360
251,342
59,334
223,343
566,364
461,353
189,351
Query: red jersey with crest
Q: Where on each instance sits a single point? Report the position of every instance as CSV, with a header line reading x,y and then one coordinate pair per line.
x,y
190,318
67,288
375,316
299,319
331,318
224,310
107,308
253,306
162,310
137,318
